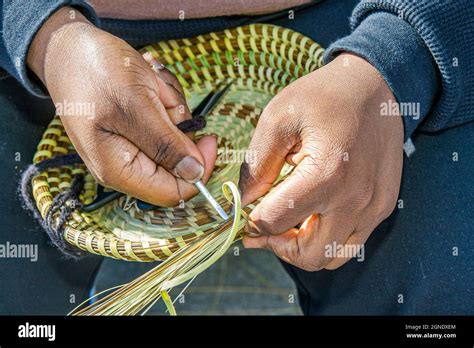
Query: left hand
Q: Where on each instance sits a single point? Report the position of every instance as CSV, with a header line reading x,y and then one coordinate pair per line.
x,y
348,160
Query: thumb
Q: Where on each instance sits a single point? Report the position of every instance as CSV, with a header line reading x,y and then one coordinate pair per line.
x,y
302,193
131,171
284,245
155,134
264,160
293,246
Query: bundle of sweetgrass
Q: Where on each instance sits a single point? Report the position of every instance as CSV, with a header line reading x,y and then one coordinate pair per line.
x,y
138,296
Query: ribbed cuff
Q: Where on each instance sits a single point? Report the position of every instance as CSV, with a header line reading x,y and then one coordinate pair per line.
x,y
395,49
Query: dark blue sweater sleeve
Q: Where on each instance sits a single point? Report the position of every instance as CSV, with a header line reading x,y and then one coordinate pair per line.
x,y
423,49
20,20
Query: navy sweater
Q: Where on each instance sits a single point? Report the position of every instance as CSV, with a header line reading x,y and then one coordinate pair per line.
x,y
423,49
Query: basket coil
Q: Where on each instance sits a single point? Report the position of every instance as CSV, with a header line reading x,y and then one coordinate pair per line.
x,y
260,59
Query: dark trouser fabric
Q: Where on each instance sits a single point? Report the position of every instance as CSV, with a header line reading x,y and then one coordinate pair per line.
x,y
51,285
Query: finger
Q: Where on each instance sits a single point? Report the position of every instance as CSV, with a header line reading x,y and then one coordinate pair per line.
x,y
261,242
174,103
292,157
207,145
152,131
169,83
170,94
302,193
355,247
136,174
310,247
284,245
327,238
290,246
268,148
149,127
163,72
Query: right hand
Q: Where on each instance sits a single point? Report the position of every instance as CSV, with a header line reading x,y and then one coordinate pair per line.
x,y
130,143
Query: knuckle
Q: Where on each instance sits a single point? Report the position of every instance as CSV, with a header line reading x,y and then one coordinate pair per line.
x,y
313,166
362,196
387,205
387,210
381,211
324,169
335,166
308,263
313,265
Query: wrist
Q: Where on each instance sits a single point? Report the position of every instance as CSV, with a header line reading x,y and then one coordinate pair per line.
x,y
55,27
398,52
364,87
365,84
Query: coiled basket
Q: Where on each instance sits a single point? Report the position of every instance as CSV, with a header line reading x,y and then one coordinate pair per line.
x,y
260,59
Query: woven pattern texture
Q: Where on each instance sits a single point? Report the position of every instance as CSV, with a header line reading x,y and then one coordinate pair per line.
x,y
260,59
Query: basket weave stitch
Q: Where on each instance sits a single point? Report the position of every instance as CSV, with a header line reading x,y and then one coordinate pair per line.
x,y
260,59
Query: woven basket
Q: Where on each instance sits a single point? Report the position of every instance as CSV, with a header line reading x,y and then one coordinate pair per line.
x,y
260,59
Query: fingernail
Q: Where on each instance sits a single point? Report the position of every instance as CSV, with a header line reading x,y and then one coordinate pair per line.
x,y
157,66
189,169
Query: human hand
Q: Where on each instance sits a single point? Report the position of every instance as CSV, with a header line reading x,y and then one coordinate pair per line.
x,y
348,162
127,138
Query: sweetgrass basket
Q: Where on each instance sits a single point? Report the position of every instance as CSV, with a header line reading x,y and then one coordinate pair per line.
x,y
260,59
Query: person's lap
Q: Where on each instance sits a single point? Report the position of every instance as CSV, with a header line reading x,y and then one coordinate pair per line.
x,y
51,284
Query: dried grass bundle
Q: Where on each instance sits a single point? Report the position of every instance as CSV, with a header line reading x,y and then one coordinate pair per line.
x,y
140,295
